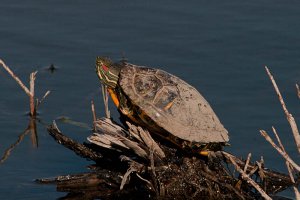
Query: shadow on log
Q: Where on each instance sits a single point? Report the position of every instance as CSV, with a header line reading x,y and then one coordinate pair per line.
x,y
129,164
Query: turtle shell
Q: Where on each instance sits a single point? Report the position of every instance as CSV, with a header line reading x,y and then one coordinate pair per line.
x,y
172,104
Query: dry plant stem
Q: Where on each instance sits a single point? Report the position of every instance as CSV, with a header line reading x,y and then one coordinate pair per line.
x,y
105,99
284,154
248,179
126,177
289,116
296,191
94,114
298,90
247,162
30,91
43,98
278,139
16,78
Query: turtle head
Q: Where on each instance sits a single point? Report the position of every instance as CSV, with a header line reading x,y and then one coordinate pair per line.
x,y
107,72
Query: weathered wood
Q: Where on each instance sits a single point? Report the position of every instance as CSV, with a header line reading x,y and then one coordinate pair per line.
x,y
289,116
179,174
109,134
78,148
30,92
273,176
97,184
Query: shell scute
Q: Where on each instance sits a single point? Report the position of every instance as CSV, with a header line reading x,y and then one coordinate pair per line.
x,y
147,86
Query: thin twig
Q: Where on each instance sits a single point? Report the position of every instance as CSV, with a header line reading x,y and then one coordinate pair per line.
x,y
289,116
296,191
105,99
15,77
248,179
247,162
284,154
39,102
94,114
143,179
278,139
126,176
30,92
298,90
260,169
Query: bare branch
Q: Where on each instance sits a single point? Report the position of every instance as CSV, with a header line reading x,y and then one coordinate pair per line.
x,y
105,99
284,154
247,162
296,191
94,114
278,139
15,77
39,102
297,194
247,178
289,116
126,176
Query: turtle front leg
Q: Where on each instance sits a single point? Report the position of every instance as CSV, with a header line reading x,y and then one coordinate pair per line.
x,y
123,105
114,97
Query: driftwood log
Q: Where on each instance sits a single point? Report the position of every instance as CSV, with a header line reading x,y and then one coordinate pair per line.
x,y
129,164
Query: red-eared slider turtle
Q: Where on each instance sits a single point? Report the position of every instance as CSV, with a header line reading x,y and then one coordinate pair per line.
x,y
163,103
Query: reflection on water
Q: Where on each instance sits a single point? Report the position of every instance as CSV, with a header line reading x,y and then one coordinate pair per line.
x,y
33,137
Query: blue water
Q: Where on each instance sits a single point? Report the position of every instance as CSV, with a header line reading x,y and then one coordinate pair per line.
x,y
220,47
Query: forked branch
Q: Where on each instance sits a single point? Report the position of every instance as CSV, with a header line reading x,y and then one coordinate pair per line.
x,y
30,91
247,178
280,151
291,165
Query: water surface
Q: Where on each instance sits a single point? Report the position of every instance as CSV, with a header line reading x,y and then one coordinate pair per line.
x,y
220,47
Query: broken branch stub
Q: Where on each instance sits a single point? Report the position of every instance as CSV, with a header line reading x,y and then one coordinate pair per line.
x,y
31,97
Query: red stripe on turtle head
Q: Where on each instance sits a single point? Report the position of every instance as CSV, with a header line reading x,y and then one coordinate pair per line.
x,y
104,68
